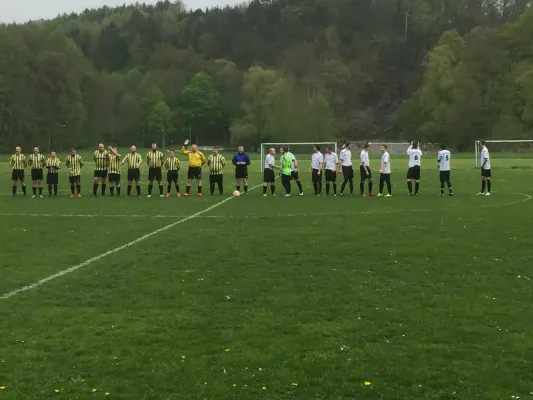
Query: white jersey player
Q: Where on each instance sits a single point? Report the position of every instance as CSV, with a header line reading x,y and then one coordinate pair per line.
x,y
413,173
364,170
268,172
317,159
346,167
385,171
443,158
486,172
331,161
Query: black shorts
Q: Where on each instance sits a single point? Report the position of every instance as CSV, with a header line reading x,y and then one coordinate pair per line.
x,y
414,173
268,175
134,174
52,178
74,179
154,173
363,174
295,176
315,176
194,173
17,175
384,178
241,172
218,178
36,174
331,176
486,173
172,176
347,171
114,177
444,176
100,173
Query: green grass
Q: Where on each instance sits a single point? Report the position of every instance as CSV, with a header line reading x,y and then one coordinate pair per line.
x,y
426,297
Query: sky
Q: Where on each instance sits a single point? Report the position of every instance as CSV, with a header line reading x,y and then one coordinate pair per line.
x,y
24,10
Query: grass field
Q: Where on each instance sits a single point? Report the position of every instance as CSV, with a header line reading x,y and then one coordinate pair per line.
x,y
271,298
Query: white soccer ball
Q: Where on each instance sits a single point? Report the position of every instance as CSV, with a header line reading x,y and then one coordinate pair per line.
x,y
236,193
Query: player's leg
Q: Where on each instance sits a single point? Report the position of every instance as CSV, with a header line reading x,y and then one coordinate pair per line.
x,y
72,186
286,181
381,184
169,183
159,180
34,185
14,180
199,184
489,184
104,182
245,185
483,184
334,180
417,186
449,183
314,179
237,181
40,183
346,178
96,176
138,182
296,177
23,182
362,173
112,184
442,179
177,185
150,183
78,185
328,185
212,182
389,184
117,184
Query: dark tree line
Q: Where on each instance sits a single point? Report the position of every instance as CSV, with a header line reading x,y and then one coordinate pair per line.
x,y
281,70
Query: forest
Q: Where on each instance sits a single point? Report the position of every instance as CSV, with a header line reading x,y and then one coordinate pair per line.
x,y
270,70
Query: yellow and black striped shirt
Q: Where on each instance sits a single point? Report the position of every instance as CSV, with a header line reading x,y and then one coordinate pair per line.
x,y
172,164
53,165
18,161
101,161
154,159
36,161
216,164
114,163
133,160
74,164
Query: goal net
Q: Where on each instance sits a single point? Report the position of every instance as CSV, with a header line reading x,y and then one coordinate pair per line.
x,y
302,151
505,149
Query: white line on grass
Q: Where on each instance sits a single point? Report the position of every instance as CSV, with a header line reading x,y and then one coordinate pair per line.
x,y
113,251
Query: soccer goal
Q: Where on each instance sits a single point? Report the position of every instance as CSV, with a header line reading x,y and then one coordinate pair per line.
x,y
505,149
302,151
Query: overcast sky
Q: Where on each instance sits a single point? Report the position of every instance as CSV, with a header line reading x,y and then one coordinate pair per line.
x,y
24,10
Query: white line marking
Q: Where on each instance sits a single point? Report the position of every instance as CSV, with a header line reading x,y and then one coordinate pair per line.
x,y
113,251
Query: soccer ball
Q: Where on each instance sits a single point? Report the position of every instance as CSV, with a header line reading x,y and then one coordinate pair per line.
x,y
236,193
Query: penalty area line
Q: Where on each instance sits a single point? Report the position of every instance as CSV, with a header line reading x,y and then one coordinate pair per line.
x,y
113,251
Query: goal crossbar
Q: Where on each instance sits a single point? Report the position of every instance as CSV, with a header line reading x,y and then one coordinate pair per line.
x,y
477,146
265,145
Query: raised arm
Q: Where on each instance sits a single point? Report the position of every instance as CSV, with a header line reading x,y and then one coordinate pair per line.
x,y
184,150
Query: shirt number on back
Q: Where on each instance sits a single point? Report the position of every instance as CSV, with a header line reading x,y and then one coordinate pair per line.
x,y
447,158
416,157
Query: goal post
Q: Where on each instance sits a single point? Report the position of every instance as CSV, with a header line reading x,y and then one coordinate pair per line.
x,y
298,149
504,149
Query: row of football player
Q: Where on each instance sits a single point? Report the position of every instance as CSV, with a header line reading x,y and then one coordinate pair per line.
x,y
329,163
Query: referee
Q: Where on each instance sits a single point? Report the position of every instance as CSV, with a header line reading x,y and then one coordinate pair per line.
x,y
241,160
18,163
216,163
37,162
134,161
101,165
154,159
196,161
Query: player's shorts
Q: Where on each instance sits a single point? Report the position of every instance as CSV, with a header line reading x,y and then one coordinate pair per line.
x,y
268,175
384,178
331,176
217,178
363,174
52,178
444,176
36,174
315,176
100,173
172,176
17,175
486,173
241,172
347,171
154,173
194,173
295,175
74,179
134,174
114,177
414,173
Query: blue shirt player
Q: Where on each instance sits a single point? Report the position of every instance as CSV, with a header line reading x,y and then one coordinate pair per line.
x,y
241,160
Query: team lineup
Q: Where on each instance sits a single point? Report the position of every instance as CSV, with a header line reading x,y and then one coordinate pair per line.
x,y
108,163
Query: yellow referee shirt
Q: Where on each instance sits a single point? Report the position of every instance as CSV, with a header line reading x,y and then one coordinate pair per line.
x,y
195,159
